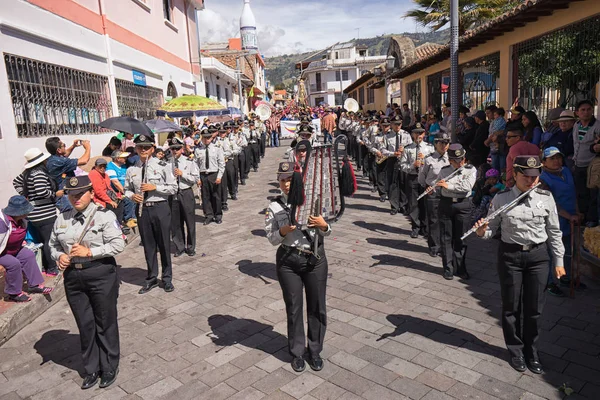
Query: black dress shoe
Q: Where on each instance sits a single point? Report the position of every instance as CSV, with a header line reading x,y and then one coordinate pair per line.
x,y
178,253
90,381
393,212
448,275
224,207
191,252
382,199
234,197
423,233
219,221
298,364
518,363
169,287
414,234
315,363
108,378
535,367
148,287
207,221
433,253
243,183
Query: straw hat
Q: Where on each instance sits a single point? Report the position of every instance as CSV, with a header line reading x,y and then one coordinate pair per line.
x,y
35,156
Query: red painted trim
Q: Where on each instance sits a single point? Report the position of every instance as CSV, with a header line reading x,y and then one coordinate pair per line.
x,y
72,11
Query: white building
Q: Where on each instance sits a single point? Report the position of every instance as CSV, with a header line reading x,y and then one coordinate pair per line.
x,y
328,72
220,82
70,64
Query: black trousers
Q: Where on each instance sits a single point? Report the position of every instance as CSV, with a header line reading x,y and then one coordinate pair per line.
x,y
523,277
361,149
351,144
294,275
454,218
248,151
211,196
183,212
433,227
234,179
155,230
371,171
223,189
44,229
397,186
417,210
587,199
119,210
263,144
381,178
231,173
242,164
254,155
92,295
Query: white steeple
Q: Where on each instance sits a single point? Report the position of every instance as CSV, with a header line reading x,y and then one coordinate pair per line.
x,y
248,28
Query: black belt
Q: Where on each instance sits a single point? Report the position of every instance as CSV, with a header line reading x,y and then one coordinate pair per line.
x,y
454,199
208,173
291,249
510,247
154,203
94,263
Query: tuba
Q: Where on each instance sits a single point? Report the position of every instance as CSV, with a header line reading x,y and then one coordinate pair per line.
x,y
351,105
263,111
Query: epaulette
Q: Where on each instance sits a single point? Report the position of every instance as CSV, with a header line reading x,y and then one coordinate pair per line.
x,y
162,163
447,166
469,166
543,191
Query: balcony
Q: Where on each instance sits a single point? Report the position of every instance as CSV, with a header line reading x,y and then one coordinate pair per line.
x,y
317,87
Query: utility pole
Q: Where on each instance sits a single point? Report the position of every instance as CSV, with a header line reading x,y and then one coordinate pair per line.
x,y
454,71
239,72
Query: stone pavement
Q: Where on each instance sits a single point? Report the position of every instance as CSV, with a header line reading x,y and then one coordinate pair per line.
x,y
396,329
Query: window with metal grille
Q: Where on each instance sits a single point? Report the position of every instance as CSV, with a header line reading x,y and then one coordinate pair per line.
x,y
413,92
558,69
50,100
207,88
139,102
338,75
345,75
361,96
370,96
218,92
227,94
480,82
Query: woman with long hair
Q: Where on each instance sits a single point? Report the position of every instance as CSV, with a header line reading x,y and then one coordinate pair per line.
x,y
533,128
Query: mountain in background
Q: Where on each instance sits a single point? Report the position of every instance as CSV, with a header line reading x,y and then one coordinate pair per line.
x,y
281,70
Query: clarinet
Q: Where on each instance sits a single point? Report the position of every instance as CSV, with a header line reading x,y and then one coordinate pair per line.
x,y
432,187
501,210
145,180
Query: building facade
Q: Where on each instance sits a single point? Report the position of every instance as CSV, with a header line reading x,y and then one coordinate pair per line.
x,y
69,64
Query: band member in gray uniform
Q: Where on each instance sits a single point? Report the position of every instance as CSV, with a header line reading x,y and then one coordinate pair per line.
x,y
528,231
411,162
297,269
183,202
253,143
222,142
211,165
149,183
428,174
380,167
231,166
454,210
396,176
242,143
83,242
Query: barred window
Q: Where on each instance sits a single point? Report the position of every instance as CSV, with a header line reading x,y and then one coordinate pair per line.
x,y
361,96
51,100
370,95
139,102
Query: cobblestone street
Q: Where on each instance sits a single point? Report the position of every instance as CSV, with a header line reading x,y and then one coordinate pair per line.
x,y
396,328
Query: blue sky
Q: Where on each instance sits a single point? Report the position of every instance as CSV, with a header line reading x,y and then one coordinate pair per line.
x,y
293,26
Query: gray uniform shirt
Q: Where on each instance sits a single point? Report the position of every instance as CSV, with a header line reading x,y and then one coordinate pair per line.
x,y
216,159
189,169
277,217
432,166
104,237
461,184
533,221
158,172
253,136
410,155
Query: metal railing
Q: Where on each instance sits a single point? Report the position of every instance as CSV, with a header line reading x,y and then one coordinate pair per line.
x,y
139,102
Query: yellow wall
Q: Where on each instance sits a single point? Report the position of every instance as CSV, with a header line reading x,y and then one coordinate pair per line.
x,y
380,99
577,11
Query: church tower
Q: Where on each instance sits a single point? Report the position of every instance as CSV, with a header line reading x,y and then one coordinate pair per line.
x,y
248,28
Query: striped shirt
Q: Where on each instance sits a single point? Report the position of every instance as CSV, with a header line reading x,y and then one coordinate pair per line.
x,y
39,192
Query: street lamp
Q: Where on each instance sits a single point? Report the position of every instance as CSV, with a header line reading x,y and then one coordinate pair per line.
x,y
390,61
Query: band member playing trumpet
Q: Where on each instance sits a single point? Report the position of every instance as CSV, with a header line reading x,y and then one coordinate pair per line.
x,y
379,146
397,139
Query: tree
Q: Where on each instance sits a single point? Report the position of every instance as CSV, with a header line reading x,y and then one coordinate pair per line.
x,y
435,14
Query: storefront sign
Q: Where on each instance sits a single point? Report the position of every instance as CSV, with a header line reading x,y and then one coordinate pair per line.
x,y
139,78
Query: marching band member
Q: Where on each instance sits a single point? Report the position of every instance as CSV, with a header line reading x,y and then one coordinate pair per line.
x,y
454,210
211,165
528,231
242,142
428,174
397,177
411,162
232,171
222,142
379,144
254,145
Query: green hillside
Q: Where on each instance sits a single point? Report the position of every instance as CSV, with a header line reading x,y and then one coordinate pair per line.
x,y
281,70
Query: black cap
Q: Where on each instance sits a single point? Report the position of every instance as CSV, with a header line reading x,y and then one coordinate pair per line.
x,y
456,151
374,118
285,170
480,114
397,120
305,130
78,184
418,128
213,129
144,140
528,165
442,137
206,133
175,143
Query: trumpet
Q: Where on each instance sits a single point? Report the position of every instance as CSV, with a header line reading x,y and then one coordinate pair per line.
x,y
433,185
501,210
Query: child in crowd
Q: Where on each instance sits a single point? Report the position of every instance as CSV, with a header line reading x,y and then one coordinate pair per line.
x,y
484,190
434,127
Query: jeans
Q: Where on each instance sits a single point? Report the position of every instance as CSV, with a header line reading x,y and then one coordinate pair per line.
x,y
128,209
498,161
274,139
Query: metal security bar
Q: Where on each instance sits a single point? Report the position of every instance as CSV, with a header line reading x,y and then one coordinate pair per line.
x,y
480,82
50,100
139,102
560,68
413,92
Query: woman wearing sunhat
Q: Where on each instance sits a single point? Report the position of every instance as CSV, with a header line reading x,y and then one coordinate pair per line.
x,y
16,259
41,190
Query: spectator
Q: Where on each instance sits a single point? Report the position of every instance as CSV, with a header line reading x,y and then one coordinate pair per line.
x,y
559,180
114,144
116,170
407,117
533,128
585,135
484,191
465,138
133,157
61,167
561,138
515,139
434,127
159,153
516,114
188,141
104,195
16,259
127,141
496,141
40,190
479,151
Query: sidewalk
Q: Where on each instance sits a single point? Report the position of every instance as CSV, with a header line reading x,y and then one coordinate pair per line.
x,y
396,328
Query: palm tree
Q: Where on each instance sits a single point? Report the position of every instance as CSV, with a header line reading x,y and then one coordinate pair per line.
x,y
472,13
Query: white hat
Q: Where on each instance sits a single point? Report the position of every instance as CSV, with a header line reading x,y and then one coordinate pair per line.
x,y
35,156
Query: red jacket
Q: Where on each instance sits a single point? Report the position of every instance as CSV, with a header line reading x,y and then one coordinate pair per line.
x,y
101,184
522,148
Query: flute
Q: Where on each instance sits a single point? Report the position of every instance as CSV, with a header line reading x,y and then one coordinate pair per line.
x,y
501,210
433,187
145,180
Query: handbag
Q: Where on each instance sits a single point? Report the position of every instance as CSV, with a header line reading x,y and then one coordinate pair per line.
x,y
593,174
